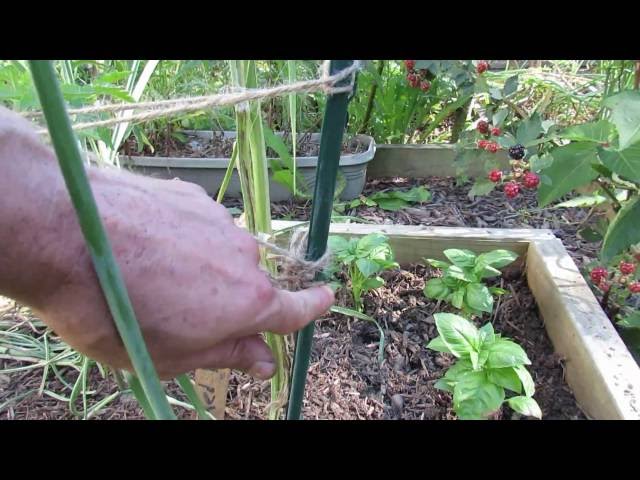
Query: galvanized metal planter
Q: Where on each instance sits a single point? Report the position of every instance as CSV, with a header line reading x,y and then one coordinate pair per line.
x,y
209,172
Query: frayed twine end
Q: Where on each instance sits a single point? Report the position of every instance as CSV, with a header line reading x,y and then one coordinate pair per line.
x,y
296,272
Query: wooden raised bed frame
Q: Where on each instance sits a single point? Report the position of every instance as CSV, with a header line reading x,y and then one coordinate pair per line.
x,y
603,375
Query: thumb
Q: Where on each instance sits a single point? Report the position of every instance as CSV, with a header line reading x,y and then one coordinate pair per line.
x,y
294,310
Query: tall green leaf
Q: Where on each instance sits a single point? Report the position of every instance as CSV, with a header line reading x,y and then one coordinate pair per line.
x,y
571,168
625,163
293,112
625,114
623,231
529,130
598,132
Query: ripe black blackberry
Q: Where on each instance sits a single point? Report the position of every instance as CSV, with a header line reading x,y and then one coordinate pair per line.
x,y
517,152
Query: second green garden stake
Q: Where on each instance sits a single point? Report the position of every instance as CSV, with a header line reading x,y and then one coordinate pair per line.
x,y
333,126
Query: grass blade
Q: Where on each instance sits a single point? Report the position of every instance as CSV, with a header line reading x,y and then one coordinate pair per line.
x,y
105,265
188,389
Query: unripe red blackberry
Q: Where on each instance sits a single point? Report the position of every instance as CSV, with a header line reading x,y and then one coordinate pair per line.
x,y
598,274
425,85
413,80
495,175
634,287
511,190
483,126
495,131
482,67
491,147
410,64
627,268
531,180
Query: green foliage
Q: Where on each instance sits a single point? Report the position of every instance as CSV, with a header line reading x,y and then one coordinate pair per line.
x,y
488,365
609,153
393,200
388,108
616,295
461,283
284,170
364,259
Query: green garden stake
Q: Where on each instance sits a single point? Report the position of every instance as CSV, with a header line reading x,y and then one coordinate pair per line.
x,y
333,126
109,276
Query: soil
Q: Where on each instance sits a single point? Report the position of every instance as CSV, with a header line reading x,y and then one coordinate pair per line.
x,y
451,206
219,146
345,379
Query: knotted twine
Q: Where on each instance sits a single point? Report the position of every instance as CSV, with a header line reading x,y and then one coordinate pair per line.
x,y
296,272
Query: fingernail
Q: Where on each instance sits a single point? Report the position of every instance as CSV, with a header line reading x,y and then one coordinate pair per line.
x,y
328,289
263,370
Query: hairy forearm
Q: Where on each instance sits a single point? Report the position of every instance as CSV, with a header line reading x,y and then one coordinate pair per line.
x,y
35,215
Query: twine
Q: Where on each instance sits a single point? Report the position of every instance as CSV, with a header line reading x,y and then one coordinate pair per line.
x,y
153,110
296,272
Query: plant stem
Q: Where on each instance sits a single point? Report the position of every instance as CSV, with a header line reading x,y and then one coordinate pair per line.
x,y
228,173
459,120
446,111
610,194
107,270
254,180
185,384
372,94
333,126
519,110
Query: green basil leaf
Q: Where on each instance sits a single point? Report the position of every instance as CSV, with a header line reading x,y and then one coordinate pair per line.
x,y
457,298
487,334
506,378
369,242
460,335
338,244
458,369
474,397
443,384
478,297
497,258
461,257
435,288
367,267
473,356
437,263
525,406
438,345
372,283
525,379
391,204
505,353
460,273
